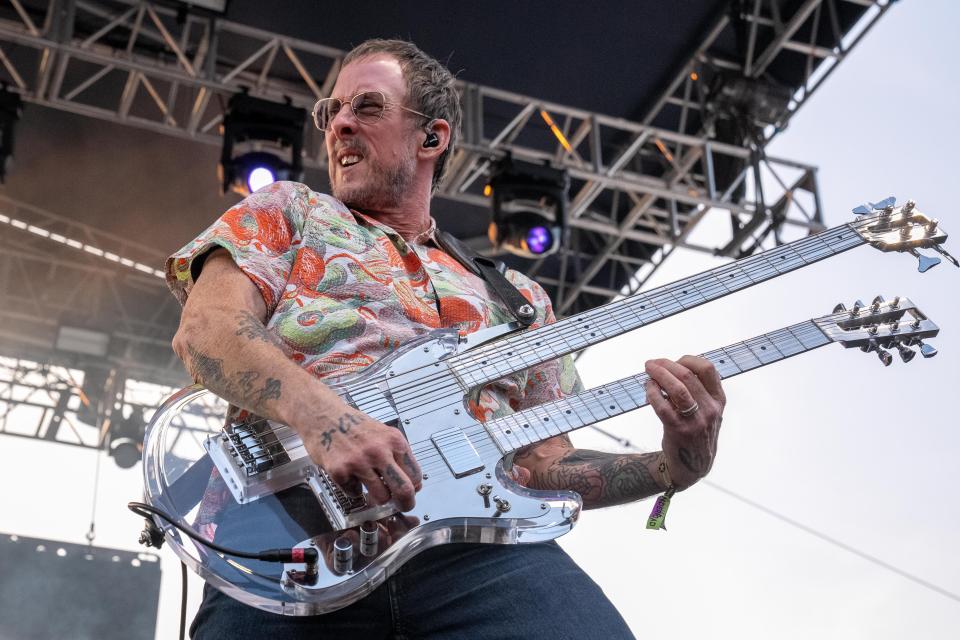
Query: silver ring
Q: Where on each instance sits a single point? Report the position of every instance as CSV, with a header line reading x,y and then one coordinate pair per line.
x,y
689,411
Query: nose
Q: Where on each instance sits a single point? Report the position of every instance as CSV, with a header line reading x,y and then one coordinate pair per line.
x,y
344,123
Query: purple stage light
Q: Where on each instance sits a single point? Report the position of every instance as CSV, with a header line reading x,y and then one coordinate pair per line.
x,y
539,240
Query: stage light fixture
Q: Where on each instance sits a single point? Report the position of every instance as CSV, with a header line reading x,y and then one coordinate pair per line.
x,y
529,207
256,123
11,106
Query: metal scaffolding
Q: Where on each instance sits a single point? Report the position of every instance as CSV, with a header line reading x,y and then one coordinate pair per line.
x,y
638,189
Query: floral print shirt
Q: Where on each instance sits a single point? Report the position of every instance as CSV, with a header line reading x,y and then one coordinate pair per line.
x,y
343,290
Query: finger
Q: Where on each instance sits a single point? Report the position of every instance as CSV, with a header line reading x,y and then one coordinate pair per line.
x,y
400,486
661,406
668,375
409,466
376,488
707,373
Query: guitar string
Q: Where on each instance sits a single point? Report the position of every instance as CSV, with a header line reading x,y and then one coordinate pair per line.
x,y
763,266
795,335
567,334
409,387
631,389
797,249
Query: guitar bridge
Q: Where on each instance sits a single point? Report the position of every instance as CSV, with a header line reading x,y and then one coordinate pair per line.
x,y
255,462
344,510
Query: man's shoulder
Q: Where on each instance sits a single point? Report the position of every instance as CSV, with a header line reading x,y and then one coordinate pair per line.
x,y
301,194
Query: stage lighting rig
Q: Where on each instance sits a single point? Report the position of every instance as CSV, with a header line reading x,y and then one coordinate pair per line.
x,y
523,194
256,123
11,106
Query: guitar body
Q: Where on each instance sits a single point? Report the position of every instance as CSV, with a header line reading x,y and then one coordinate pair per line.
x,y
251,487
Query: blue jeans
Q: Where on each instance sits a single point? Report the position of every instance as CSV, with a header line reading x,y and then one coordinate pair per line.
x,y
468,591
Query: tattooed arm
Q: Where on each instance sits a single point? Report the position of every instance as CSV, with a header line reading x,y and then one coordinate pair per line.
x,y
601,479
689,442
224,344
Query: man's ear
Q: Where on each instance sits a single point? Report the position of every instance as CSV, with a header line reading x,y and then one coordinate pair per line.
x,y
439,128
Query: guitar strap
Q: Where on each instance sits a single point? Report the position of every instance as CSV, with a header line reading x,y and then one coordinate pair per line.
x,y
492,271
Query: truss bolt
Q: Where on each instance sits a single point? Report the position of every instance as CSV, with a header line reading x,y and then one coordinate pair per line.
x,y
426,517
456,412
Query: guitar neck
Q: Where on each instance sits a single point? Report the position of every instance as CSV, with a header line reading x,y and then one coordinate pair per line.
x,y
536,424
522,351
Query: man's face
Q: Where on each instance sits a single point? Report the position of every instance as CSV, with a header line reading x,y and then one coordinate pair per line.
x,y
386,148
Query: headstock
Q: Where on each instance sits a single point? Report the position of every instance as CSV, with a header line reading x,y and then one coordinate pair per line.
x,y
879,326
891,228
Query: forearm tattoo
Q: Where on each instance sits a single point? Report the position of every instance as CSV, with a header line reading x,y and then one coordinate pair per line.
x,y
252,328
601,479
242,388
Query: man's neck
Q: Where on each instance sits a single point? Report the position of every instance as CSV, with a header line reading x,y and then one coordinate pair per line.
x,y
410,219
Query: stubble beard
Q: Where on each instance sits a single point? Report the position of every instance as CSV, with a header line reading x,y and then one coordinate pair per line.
x,y
383,188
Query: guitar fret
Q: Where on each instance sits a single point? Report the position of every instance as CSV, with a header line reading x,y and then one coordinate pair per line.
x,y
627,394
618,317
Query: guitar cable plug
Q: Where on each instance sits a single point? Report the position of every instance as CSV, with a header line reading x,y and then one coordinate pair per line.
x,y
152,536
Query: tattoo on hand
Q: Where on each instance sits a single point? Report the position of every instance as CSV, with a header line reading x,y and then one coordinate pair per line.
x,y
694,462
344,424
393,475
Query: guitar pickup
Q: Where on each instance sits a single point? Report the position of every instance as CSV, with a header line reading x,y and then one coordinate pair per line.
x,y
457,451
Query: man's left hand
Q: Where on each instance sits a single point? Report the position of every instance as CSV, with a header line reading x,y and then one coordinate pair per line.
x,y
691,414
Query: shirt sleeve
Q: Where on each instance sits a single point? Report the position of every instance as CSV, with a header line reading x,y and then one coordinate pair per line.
x,y
262,234
554,379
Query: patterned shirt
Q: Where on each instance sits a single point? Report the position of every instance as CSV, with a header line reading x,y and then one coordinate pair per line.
x,y
342,290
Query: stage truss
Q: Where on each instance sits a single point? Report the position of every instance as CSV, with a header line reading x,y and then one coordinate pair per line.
x,y
639,189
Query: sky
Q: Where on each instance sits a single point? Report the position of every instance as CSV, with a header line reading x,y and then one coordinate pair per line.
x,y
831,440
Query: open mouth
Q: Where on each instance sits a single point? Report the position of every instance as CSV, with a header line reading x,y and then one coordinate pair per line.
x,y
350,159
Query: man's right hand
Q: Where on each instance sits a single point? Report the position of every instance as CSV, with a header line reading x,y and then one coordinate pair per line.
x,y
353,447
225,345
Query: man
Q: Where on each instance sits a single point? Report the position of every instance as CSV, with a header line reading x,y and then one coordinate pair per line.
x,y
290,287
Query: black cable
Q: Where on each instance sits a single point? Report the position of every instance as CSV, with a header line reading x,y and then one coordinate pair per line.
x,y
310,555
183,599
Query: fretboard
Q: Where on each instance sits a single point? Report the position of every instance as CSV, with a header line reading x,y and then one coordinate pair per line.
x,y
550,419
522,351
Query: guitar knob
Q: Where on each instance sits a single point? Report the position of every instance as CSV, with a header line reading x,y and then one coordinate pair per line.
x,y
342,555
369,538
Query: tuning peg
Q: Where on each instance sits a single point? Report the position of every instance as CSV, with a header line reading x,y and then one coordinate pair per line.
x,y
908,208
926,262
886,203
856,309
927,350
875,305
906,353
862,210
932,226
946,255
884,356
840,308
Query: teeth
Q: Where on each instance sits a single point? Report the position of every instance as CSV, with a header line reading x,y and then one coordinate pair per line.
x,y
346,161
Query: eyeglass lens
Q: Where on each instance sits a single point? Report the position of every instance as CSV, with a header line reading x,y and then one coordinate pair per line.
x,y
367,108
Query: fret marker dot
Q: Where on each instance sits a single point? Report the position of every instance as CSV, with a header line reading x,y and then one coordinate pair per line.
x,y
722,361
684,292
592,333
483,362
568,410
508,431
526,426
763,348
611,406
546,419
